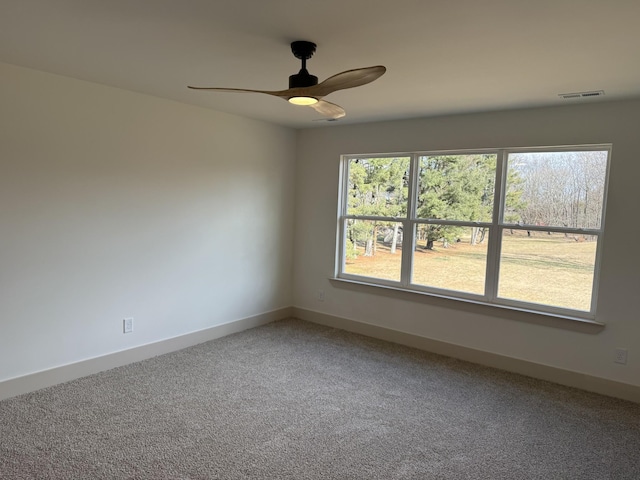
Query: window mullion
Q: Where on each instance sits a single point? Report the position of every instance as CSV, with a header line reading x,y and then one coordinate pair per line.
x,y
408,226
495,233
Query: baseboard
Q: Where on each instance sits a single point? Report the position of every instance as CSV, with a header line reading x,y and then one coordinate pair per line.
x,y
589,383
46,378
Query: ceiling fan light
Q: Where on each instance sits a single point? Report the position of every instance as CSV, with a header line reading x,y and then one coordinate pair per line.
x,y
303,100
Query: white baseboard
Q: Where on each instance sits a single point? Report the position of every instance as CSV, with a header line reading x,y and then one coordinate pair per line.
x,y
46,378
590,383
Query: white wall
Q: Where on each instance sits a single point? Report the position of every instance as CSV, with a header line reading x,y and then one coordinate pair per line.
x,y
115,204
535,339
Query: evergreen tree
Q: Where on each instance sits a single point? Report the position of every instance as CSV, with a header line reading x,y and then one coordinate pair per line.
x,y
378,187
455,187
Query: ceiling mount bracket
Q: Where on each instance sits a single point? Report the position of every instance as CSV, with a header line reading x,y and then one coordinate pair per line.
x,y
303,50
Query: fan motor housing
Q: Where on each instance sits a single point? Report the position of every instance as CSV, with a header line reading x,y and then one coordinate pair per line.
x,y
302,79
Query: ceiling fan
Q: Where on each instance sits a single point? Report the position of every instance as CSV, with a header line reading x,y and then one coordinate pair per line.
x,y
304,88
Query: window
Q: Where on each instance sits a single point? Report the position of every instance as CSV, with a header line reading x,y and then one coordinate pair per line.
x,y
519,228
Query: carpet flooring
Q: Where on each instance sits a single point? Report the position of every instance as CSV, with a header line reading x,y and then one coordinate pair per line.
x,y
294,400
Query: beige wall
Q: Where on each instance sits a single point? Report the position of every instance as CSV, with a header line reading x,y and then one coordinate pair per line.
x,y
528,337
115,204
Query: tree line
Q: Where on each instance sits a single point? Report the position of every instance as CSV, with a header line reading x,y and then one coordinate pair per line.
x,y
564,189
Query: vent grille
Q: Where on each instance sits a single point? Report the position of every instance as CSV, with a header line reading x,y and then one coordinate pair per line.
x,y
593,93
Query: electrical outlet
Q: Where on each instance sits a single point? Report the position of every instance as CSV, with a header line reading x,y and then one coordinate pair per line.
x,y
320,295
127,325
621,356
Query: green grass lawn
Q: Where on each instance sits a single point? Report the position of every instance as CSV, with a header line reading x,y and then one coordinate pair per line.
x,y
548,269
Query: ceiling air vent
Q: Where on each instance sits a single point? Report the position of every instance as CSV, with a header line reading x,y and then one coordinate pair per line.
x,y
593,93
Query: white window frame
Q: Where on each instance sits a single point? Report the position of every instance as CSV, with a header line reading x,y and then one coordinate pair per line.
x,y
496,228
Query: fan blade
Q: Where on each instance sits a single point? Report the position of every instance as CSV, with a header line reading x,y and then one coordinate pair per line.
x,y
276,93
348,79
340,81
329,110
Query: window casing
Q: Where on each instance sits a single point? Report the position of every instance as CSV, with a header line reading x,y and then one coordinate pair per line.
x,y
516,228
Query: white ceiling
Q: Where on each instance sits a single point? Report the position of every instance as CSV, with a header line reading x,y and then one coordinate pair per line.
x,y
442,56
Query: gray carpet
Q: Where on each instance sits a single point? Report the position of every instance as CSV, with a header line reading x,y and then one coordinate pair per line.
x,y
293,400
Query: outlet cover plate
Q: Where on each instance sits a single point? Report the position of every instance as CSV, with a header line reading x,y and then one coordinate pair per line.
x,y
127,325
621,356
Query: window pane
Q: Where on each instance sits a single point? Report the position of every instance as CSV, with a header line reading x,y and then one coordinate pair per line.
x,y
547,268
561,189
456,187
453,258
373,249
378,186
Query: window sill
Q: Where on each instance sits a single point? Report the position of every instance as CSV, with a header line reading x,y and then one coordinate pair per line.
x,y
473,306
